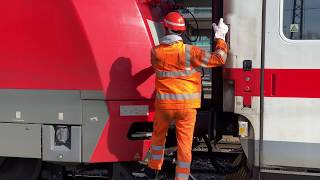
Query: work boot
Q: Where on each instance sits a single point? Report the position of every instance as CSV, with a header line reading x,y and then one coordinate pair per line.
x,y
149,174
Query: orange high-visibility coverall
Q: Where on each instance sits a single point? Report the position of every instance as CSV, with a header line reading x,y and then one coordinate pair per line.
x,y
178,94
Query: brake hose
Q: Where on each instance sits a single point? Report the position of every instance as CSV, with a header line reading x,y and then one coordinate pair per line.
x,y
196,21
176,7
221,169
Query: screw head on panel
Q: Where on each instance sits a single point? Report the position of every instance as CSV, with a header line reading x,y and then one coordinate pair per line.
x,y
60,156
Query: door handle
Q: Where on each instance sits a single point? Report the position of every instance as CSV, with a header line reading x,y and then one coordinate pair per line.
x,y
273,84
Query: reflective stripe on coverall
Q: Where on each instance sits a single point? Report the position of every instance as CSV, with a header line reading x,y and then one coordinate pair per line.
x,y
178,94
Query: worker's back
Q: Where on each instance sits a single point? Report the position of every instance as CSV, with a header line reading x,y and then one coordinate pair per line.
x,y
178,66
177,83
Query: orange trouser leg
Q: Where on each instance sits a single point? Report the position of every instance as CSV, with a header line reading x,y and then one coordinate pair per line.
x,y
161,123
185,123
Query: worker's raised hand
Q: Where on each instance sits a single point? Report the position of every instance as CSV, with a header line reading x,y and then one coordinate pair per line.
x,y
220,30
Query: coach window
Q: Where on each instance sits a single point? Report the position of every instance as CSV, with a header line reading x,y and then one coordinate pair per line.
x,y
301,19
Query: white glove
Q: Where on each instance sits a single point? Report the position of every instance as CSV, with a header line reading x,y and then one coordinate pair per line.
x,y
220,30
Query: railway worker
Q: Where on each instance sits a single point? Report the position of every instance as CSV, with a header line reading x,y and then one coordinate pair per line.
x,y
178,90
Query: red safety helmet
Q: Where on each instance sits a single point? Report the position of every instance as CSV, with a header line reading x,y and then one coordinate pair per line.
x,y
174,21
